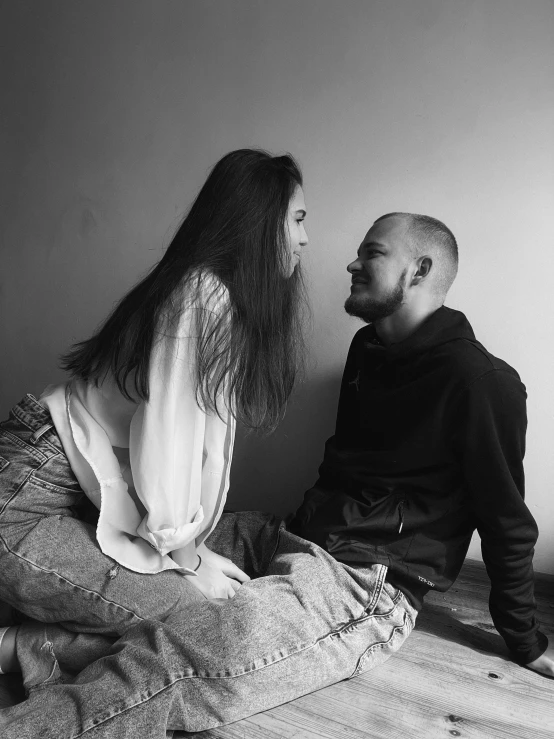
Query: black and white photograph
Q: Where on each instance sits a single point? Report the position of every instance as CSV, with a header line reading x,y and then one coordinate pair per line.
x,y
277,377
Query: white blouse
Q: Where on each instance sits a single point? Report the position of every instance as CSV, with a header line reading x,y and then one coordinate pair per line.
x,y
157,470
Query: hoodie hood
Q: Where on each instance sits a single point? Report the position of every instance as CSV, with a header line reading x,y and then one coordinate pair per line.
x,y
441,327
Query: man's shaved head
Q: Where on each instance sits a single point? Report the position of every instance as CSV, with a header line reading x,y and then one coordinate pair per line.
x,y
430,237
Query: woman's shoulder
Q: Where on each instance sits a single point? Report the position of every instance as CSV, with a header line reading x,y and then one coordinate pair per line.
x,y
204,291
202,297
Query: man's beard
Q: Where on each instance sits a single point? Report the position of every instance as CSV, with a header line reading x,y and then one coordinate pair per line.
x,y
372,309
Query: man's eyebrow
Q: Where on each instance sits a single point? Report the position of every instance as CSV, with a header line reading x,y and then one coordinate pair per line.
x,y
301,212
372,243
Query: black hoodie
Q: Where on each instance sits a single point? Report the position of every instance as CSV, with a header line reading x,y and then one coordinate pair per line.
x,y
429,446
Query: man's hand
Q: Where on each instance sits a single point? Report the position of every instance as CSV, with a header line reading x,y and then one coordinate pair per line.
x,y
217,576
544,664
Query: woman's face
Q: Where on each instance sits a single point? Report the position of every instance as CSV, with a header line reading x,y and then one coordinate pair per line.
x,y
295,231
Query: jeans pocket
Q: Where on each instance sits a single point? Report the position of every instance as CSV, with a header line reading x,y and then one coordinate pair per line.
x,y
49,499
30,476
56,475
30,503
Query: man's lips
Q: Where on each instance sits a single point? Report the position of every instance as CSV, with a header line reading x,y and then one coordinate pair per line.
x,y
359,281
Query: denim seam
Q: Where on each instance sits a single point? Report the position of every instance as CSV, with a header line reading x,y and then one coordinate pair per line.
x,y
379,645
15,492
48,419
327,637
347,627
50,486
397,596
72,584
45,440
197,676
409,608
412,620
377,616
42,686
20,414
278,541
378,588
32,450
46,485
255,666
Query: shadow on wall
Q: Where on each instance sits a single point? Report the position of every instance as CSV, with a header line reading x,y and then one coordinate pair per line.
x,y
272,473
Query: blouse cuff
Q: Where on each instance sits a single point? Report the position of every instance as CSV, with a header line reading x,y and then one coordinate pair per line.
x,y
187,558
168,539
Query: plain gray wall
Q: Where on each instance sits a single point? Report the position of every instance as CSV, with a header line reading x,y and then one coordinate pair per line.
x,y
114,110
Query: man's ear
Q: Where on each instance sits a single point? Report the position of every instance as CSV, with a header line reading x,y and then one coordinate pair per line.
x,y
424,266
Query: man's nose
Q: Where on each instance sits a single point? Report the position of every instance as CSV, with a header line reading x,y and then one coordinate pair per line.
x,y
355,266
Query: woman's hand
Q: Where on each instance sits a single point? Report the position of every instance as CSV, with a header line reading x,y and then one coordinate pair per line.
x,y
217,576
544,664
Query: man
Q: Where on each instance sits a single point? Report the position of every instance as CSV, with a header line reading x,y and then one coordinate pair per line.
x,y
428,446
430,438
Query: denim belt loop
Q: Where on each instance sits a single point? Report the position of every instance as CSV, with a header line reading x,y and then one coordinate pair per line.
x,y
41,431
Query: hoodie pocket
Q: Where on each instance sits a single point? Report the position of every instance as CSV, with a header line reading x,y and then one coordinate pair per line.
x,y
382,518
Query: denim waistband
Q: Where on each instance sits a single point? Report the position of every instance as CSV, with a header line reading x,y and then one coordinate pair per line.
x,y
30,412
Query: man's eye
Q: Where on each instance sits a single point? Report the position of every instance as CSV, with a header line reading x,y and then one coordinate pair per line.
x,y
299,220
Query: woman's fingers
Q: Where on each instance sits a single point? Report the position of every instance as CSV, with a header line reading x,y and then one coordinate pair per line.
x,y
231,570
223,564
217,577
214,583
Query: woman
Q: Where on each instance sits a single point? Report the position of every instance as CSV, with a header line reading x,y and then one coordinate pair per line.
x,y
145,426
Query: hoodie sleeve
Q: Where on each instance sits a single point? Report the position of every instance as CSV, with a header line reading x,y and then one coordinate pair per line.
x,y
490,443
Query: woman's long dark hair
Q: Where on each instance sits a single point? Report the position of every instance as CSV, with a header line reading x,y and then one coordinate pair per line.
x,y
235,230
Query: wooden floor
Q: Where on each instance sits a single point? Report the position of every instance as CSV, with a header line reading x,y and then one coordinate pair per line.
x,y
452,678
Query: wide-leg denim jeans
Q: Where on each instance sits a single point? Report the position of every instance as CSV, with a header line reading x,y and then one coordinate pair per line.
x,y
303,622
51,567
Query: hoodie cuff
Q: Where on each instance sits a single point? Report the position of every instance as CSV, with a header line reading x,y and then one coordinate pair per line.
x,y
525,656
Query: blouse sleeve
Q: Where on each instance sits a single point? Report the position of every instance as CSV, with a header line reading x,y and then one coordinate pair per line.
x,y
180,454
